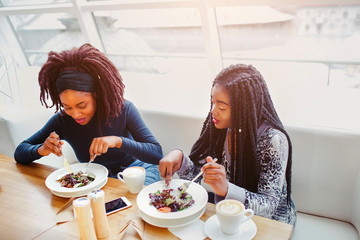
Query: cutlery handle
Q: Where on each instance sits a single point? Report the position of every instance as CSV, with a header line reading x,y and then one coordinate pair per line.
x,y
201,173
93,158
197,176
67,166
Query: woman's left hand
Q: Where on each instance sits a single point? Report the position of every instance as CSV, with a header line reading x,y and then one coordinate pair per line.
x,y
101,145
215,176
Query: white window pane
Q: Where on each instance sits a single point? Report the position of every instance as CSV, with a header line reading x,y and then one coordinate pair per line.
x,y
8,81
153,42
39,34
138,1
8,3
327,35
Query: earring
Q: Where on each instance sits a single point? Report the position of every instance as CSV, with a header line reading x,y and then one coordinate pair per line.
x,y
239,130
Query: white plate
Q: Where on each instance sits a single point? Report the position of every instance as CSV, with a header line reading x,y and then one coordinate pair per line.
x,y
82,193
197,192
99,171
166,223
212,229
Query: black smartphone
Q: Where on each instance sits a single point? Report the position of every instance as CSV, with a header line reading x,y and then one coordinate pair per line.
x,y
117,205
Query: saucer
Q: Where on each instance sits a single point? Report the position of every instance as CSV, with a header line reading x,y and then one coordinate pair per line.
x,y
246,231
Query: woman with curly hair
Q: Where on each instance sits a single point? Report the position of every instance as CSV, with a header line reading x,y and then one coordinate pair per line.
x,y
92,115
243,131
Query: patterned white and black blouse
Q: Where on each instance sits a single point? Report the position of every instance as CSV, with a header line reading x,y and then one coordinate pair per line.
x,y
270,200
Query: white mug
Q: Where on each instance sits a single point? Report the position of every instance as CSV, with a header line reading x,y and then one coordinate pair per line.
x,y
133,177
231,214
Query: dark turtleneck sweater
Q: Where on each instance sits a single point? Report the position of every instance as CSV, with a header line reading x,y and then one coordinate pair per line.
x,y
138,141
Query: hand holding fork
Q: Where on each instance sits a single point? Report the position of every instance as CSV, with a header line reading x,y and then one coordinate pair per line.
x,y
186,185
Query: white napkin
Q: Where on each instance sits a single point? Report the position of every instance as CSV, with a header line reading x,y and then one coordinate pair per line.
x,y
193,231
66,213
135,223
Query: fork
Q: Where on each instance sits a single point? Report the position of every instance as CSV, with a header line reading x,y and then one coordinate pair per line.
x,y
89,163
186,185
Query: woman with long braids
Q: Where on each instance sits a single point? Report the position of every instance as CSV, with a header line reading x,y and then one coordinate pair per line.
x,y
245,134
92,115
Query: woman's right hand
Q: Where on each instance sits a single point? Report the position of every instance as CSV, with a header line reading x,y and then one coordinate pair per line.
x,y
169,164
51,145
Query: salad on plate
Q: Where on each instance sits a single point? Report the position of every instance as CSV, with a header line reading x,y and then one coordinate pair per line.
x,y
72,180
171,200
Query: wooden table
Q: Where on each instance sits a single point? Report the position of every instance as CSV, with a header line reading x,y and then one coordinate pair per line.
x,y
28,208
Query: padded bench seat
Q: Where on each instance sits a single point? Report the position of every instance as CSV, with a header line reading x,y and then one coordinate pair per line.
x,y
310,227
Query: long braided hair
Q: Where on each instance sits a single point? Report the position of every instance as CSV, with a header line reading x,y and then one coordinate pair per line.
x,y
251,105
109,86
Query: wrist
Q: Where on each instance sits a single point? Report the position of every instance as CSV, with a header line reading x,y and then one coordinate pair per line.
x,y
222,191
40,150
119,142
178,153
226,188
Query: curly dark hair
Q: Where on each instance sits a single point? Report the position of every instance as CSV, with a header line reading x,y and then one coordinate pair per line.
x,y
109,86
251,105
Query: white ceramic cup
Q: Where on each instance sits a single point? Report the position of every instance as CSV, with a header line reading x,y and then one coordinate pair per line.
x,y
133,177
231,214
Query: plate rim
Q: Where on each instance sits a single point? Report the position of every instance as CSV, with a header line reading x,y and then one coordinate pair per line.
x,y
52,176
79,194
170,216
196,217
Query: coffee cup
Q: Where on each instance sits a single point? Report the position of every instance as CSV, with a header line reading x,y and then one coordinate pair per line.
x,y
231,214
133,177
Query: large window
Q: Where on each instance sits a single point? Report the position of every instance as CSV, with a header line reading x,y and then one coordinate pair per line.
x,y
172,49
38,34
9,93
326,35
12,3
155,42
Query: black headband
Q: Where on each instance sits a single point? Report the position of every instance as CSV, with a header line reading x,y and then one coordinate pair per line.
x,y
74,80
